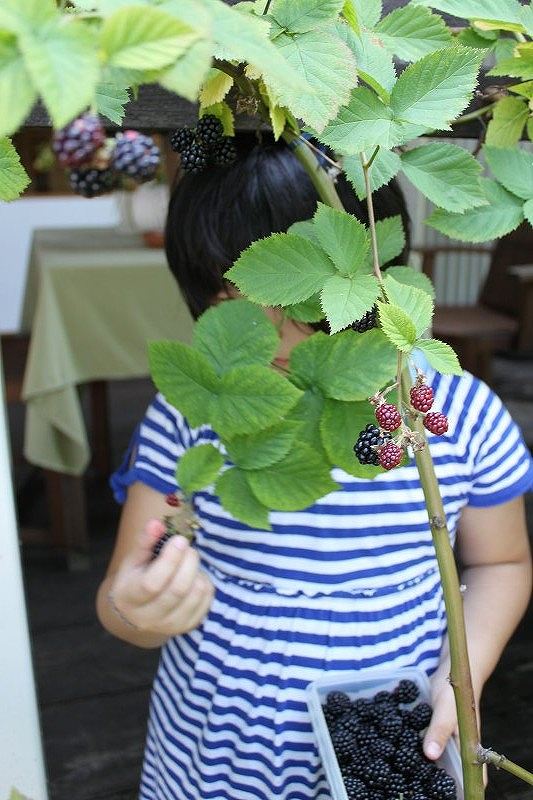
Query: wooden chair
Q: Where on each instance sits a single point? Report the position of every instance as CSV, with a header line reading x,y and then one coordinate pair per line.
x,y
502,318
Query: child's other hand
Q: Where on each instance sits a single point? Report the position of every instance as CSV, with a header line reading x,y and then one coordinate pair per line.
x,y
168,595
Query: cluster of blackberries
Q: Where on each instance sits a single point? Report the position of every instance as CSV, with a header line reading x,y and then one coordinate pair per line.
x,y
96,163
422,399
378,745
367,322
203,146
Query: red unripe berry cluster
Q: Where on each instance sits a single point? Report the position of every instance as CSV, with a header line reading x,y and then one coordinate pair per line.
x,y
390,455
388,417
436,422
421,397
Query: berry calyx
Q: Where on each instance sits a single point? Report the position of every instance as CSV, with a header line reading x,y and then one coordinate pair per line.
x,y
367,322
77,142
390,455
388,416
367,444
436,422
421,397
136,155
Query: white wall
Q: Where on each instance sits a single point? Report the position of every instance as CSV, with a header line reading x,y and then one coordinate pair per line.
x,y
18,220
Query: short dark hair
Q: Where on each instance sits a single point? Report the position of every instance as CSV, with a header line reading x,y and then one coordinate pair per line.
x,y
216,214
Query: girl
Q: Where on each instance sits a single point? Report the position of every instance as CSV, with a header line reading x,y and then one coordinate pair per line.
x,y
245,618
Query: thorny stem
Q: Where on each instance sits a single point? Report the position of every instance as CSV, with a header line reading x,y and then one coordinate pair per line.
x,y
488,756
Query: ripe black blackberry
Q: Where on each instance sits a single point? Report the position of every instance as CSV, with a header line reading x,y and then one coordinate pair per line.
x,y
91,182
443,787
377,774
390,727
76,143
367,322
355,788
344,744
397,785
337,703
382,710
224,152
406,692
382,748
407,761
410,738
136,155
366,735
194,158
419,718
158,546
209,130
363,708
181,139
368,438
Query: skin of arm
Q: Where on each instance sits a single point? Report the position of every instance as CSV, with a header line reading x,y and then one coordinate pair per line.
x,y
145,601
493,550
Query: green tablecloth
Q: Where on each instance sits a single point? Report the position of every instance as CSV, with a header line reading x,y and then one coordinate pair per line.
x,y
94,298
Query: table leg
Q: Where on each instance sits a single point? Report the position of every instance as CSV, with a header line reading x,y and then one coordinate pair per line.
x,y
68,517
100,434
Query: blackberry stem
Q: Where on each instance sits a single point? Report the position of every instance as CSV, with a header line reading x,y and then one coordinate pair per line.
x,y
371,219
489,756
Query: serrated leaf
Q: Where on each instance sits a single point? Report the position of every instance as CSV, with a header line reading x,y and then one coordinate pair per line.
x,y
23,16
110,101
528,211
368,12
251,398
293,483
440,356
374,63
215,87
142,37
305,228
434,90
346,300
350,15
519,65
508,119
17,94
472,38
281,270
446,174
397,326
264,448
306,413
237,498
326,65
525,89
224,113
501,215
508,11
63,63
412,32
390,238
13,176
347,366
301,16
415,302
308,311
235,333
364,123
340,426
344,238
513,168
186,75
185,377
384,167
198,467
412,277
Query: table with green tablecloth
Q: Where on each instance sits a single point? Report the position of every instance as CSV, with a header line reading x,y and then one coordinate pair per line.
x,y
94,299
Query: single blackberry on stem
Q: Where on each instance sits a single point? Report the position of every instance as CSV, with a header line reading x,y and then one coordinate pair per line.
x,y
91,182
388,416
406,692
368,438
194,158
367,322
181,139
136,155
209,130
421,397
420,716
436,422
224,152
390,455
76,143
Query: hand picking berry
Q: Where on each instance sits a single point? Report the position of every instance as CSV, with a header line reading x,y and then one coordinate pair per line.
x,y
436,422
421,397
388,416
367,443
136,155
76,143
390,455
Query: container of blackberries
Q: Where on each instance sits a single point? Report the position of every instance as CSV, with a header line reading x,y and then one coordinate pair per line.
x,y
369,730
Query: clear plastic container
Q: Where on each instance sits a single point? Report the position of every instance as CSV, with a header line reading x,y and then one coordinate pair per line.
x,y
366,683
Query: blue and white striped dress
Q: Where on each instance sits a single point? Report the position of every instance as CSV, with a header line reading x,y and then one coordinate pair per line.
x,y
349,583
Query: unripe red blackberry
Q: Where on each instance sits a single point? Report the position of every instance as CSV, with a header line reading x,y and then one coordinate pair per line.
x,y
136,155
436,422
77,142
181,139
367,322
421,397
91,182
388,416
390,455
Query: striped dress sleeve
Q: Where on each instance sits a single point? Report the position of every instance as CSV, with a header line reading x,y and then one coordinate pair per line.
x,y
154,450
502,464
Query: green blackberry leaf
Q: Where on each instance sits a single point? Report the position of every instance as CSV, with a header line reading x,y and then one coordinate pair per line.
x,y
281,270
306,413
345,300
110,101
293,483
187,73
416,303
339,428
198,467
237,498
412,32
235,333
440,356
258,450
186,378
412,277
367,12
490,10
306,229
13,176
446,174
397,326
215,87
17,94
24,16
501,215
301,16
390,239
344,238
374,63
507,123
251,398
513,168
384,167
528,211
307,311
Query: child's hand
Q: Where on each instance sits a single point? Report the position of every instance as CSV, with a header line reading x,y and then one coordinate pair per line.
x,y
166,596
